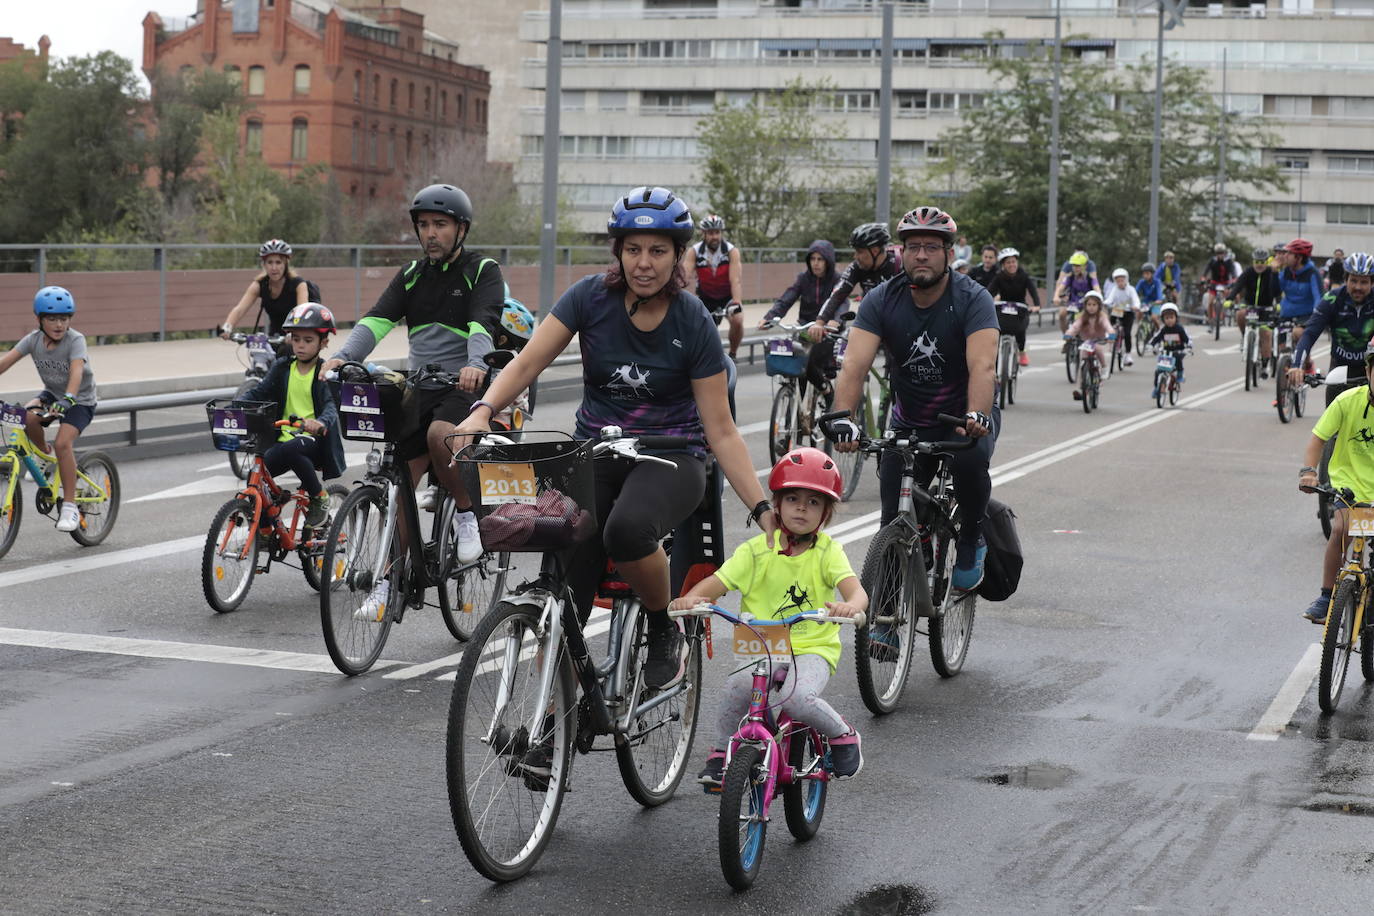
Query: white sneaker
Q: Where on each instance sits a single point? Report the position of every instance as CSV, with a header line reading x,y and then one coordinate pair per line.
x,y
468,536
1128,361
427,498
69,518
374,608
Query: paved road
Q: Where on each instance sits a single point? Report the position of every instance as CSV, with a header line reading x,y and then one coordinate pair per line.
x,y
1101,752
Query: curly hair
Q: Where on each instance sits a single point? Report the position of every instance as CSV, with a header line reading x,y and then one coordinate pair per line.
x,y
615,275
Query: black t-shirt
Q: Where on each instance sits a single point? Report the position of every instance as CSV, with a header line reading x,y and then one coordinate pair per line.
x,y
982,275
277,309
1335,271
1017,287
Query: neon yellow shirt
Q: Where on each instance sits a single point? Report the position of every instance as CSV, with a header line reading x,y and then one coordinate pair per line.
x,y
299,399
773,585
1352,461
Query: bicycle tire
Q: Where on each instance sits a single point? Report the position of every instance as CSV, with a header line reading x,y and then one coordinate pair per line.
x,y
782,422
1338,638
1281,401
1143,334
1173,390
1071,362
803,800
1161,380
1367,648
1085,388
1216,323
1249,350
849,464
1003,372
741,803
466,593
350,549
241,463
951,629
1011,382
650,767
12,515
96,518
881,669
229,554
311,553
484,757
1299,400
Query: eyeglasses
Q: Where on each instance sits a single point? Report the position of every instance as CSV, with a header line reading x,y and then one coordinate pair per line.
x,y
928,247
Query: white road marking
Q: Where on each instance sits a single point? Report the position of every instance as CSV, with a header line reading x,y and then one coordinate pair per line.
x,y
1280,712
1234,348
751,428
595,629
179,651
227,484
351,459
85,562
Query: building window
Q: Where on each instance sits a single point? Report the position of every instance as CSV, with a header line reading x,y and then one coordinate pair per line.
x,y
410,96
1293,105
376,88
458,101
357,142
302,85
395,88
1351,164
443,104
410,147
482,112
612,101
299,129
1350,214
531,145
372,146
427,93
1341,106
252,140
1293,162
234,75
257,80
391,149
1289,212
357,85
574,100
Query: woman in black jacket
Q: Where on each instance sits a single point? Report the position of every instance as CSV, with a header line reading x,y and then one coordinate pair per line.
x,y
811,288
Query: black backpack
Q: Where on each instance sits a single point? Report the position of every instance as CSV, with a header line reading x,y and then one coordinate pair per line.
x,y
313,289
1002,566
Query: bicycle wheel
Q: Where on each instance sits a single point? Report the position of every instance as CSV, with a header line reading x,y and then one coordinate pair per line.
x,y
742,828
1216,321
951,629
658,744
1071,361
803,800
1003,373
311,551
1299,400
882,646
1367,648
1142,333
241,463
1013,376
1338,638
849,464
229,560
13,513
355,563
1249,350
503,811
1173,389
466,593
97,518
1085,388
1161,382
1282,401
782,423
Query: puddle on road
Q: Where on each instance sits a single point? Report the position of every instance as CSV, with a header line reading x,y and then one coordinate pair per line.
x,y
890,900
1035,776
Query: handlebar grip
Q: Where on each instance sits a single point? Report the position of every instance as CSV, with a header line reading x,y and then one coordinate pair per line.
x,y
835,415
952,420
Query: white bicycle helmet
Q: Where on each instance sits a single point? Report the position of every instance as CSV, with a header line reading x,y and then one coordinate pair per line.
x,y
274,246
1168,307
1007,253
1121,272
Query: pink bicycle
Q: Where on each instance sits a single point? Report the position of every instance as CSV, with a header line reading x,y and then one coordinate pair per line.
x,y
769,754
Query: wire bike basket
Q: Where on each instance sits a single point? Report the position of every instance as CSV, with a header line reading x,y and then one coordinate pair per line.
x,y
241,426
531,496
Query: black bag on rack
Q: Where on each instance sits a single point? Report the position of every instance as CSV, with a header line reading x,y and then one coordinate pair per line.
x,y
1002,566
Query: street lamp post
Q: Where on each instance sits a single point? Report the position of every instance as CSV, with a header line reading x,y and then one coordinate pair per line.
x,y
1052,211
1175,17
553,102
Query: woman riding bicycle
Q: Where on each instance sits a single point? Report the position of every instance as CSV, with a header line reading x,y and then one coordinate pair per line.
x,y
1011,283
810,290
276,288
652,364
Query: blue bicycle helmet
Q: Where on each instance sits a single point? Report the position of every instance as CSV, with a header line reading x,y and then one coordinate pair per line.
x,y
53,300
648,209
1359,264
517,320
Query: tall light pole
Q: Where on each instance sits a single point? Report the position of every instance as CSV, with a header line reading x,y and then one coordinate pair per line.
x,y
1221,155
883,205
1052,218
1175,17
553,102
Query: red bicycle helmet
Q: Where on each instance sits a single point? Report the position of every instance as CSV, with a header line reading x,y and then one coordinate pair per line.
x,y
1301,247
928,219
806,469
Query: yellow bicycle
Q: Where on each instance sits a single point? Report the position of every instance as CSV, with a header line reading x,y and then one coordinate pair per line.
x,y
97,487
1346,622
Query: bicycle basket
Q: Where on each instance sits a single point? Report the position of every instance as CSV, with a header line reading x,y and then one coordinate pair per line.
x,y
531,496
785,357
380,407
242,426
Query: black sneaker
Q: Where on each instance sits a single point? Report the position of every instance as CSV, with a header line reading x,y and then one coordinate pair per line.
x,y
663,661
846,755
713,773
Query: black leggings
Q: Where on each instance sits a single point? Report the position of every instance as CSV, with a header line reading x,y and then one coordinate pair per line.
x,y
972,482
301,456
1015,325
636,505
1124,325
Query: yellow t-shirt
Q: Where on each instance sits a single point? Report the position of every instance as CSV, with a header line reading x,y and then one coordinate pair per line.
x,y
773,585
1352,461
299,400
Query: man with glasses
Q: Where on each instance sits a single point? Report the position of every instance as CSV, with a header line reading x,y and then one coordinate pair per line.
x,y
941,330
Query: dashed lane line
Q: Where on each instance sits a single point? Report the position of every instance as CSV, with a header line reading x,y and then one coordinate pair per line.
x,y
1280,712
88,561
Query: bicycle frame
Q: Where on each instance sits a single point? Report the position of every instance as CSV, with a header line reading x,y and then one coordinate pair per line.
x,y
1356,568
776,744
268,498
27,456
933,503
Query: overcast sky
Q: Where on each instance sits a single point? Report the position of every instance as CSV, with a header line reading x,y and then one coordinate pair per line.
x,y
81,27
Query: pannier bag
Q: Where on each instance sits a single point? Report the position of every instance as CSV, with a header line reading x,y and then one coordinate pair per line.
x,y
1002,566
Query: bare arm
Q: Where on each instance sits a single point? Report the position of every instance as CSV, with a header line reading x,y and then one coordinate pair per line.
x,y
9,358
854,600
302,293
551,338
250,296
858,359
981,355
736,275
708,589
74,375
713,406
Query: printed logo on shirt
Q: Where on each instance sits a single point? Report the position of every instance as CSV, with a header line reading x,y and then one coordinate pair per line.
x,y
922,359
1364,436
797,600
677,343
630,382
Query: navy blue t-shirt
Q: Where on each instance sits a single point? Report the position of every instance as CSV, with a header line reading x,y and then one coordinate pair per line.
x,y
639,380
928,346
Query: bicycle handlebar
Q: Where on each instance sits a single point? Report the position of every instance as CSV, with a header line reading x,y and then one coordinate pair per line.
x,y
890,440
274,340
816,615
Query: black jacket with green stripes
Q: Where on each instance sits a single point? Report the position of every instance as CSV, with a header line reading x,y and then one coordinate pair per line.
x,y
450,310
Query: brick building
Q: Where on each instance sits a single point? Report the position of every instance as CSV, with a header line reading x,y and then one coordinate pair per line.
x,y
10,49
364,89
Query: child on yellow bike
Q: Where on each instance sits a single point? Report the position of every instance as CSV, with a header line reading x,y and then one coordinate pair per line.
x,y
295,386
1351,466
802,574
59,355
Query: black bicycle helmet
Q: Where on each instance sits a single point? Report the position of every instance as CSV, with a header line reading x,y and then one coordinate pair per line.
x,y
310,317
869,235
442,198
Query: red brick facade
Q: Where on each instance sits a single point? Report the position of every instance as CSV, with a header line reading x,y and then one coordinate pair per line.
x,y
361,89
10,49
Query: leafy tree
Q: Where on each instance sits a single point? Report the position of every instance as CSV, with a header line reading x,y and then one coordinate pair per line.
x,y
180,105
77,157
839,211
763,161
998,161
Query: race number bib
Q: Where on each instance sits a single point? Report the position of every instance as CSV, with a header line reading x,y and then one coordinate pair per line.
x,y
1165,362
257,343
1010,310
775,641
361,426
359,398
780,346
229,422
507,483
1361,523
1118,312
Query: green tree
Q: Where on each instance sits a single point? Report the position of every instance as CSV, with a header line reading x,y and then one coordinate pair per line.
x,y
78,159
839,211
997,162
180,105
763,162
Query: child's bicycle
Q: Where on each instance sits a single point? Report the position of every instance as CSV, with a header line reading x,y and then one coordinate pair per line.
x,y
1090,374
1167,384
770,754
260,351
97,486
1346,620
251,523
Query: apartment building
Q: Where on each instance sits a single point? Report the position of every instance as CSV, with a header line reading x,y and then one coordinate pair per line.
x,y
638,74
364,88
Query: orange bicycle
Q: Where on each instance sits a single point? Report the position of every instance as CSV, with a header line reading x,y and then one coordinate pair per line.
x,y
253,522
